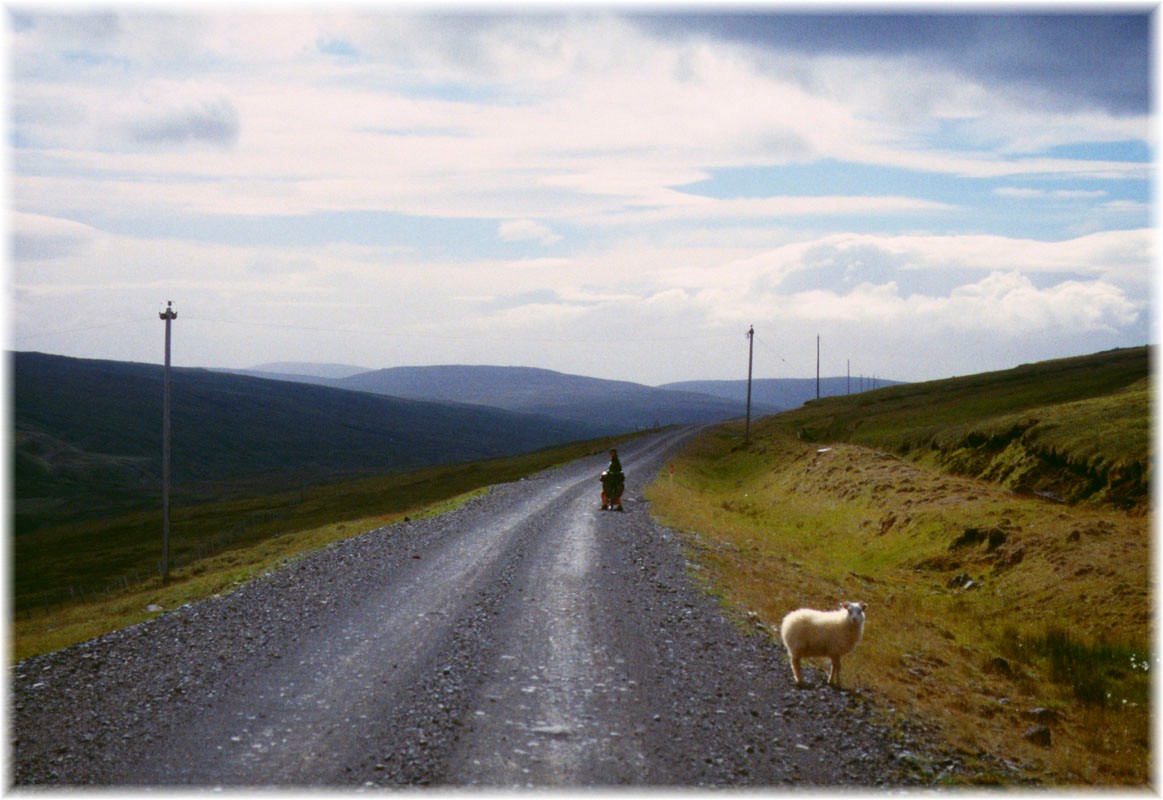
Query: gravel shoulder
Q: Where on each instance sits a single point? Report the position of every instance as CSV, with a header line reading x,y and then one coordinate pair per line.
x,y
525,639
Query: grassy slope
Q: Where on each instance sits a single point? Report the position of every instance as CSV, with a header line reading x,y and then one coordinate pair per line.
x,y
1058,615
87,435
1081,425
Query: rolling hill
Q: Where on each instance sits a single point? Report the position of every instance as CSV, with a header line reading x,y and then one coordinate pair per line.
x,y
616,405
571,396
87,434
302,369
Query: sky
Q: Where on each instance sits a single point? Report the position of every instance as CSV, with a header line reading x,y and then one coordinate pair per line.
x,y
613,192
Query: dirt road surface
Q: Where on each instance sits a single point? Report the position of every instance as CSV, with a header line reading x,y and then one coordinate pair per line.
x,y
525,639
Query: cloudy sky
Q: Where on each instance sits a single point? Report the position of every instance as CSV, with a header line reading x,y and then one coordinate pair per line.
x,y
615,193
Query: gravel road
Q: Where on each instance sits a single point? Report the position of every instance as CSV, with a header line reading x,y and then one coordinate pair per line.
x,y
525,639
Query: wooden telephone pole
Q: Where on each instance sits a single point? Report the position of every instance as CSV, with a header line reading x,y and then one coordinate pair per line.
x,y
817,366
750,352
169,315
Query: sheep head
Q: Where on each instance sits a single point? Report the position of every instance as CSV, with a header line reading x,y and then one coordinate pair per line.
x,y
855,612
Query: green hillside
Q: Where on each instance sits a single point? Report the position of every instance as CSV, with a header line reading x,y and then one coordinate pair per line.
x,y
1076,428
87,436
997,525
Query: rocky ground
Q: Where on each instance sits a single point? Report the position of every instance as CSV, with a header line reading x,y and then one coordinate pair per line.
x,y
527,638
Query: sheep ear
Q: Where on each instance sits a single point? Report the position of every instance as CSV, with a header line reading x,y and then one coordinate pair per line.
x,y
863,606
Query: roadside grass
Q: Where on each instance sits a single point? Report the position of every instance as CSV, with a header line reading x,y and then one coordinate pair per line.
x,y
989,613
208,577
270,531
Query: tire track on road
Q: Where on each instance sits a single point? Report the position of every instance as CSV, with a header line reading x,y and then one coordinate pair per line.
x,y
306,717
548,715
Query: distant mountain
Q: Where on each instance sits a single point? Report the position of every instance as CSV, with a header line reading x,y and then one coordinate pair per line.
x,y
333,371
87,434
629,405
616,405
782,394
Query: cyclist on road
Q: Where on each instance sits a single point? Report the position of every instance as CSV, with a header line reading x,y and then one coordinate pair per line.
x,y
613,483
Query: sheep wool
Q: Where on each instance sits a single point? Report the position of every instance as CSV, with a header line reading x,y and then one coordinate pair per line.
x,y
808,633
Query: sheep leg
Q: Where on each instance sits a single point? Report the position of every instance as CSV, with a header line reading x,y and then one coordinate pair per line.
x,y
795,668
834,678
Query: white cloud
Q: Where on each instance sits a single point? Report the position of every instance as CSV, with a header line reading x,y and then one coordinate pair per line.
x,y
526,230
705,209
1009,305
1120,255
537,125
211,121
593,118
1025,193
933,286
1125,256
374,307
41,238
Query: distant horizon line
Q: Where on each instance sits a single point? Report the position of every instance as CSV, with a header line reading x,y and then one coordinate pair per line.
x,y
359,369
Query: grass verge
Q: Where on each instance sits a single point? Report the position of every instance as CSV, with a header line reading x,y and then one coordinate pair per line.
x,y
1015,628
208,577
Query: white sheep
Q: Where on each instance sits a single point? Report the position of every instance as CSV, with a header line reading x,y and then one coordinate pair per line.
x,y
808,633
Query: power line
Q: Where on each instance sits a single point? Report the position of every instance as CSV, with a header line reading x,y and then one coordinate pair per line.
x,y
770,348
83,329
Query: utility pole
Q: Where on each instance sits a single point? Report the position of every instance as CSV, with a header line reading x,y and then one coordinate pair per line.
x,y
817,366
750,352
168,315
